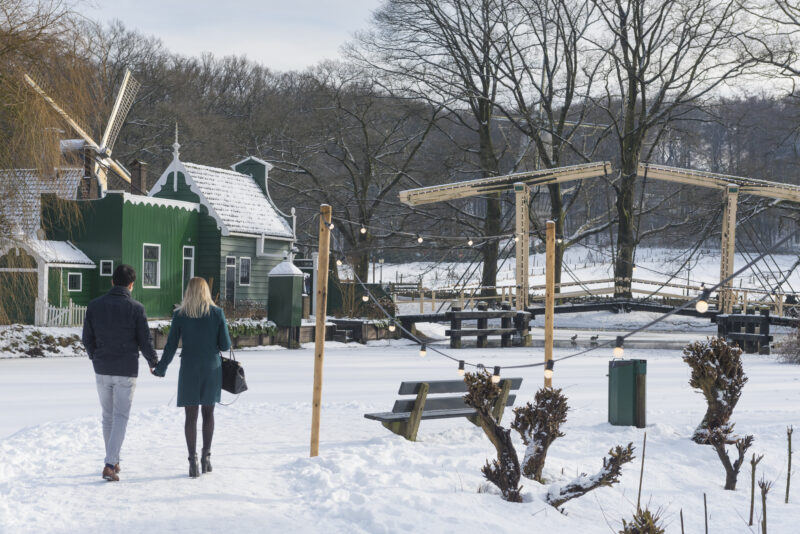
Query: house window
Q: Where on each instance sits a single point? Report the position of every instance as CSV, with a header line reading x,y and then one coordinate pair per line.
x,y
230,279
188,266
151,265
74,281
106,267
244,271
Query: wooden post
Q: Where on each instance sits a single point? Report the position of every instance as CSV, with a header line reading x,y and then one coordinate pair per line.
x,y
483,324
421,299
523,194
780,304
433,300
455,327
319,331
549,296
506,322
728,248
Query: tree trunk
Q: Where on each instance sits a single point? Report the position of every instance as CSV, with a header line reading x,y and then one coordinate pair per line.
x,y
491,227
626,229
557,215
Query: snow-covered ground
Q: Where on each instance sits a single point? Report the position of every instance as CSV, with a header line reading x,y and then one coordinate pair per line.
x,y
366,479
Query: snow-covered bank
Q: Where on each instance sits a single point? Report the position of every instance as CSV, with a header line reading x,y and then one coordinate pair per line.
x,y
25,341
366,479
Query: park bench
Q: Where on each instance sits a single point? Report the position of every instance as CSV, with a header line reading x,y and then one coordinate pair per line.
x,y
407,413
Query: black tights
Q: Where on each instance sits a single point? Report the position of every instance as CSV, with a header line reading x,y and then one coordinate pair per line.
x,y
190,428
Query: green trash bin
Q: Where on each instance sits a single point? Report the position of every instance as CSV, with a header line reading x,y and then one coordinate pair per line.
x,y
627,381
285,304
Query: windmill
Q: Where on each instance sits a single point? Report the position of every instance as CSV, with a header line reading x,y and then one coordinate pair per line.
x,y
103,161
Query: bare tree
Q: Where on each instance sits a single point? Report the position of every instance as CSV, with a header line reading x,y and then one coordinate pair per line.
x,y
663,59
446,52
351,148
548,69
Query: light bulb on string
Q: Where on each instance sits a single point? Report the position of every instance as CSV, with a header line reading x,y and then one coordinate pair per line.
x,y
338,262
618,350
363,230
392,326
634,268
422,351
460,367
702,305
365,297
548,369
496,374
419,239
469,242
329,225
516,239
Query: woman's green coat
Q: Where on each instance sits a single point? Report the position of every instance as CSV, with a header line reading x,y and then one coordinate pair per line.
x,y
200,376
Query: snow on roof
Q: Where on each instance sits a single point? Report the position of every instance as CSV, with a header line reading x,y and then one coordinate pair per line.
x,y
57,252
286,268
238,200
22,189
158,201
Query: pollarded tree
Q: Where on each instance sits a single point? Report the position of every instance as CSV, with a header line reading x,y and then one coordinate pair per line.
x,y
539,425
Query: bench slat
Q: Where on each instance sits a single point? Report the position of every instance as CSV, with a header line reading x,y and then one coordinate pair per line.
x,y
389,417
441,403
447,386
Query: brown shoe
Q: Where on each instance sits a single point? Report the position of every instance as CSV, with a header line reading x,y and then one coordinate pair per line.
x,y
110,475
117,469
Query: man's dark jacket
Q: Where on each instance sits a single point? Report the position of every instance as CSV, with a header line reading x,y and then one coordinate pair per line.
x,y
114,331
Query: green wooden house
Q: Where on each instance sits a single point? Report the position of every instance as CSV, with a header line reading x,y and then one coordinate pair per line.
x,y
220,224
247,235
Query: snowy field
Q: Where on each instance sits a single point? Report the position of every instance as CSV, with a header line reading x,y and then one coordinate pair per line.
x,y
366,479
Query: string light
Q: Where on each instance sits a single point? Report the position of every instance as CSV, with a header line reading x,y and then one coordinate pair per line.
x,y
516,239
392,326
329,225
422,351
496,374
634,268
469,242
548,369
419,239
618,350
702,304
365,297
363,230
338,262
460,367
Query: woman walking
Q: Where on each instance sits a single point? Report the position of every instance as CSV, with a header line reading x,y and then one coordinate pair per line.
x,y
201,327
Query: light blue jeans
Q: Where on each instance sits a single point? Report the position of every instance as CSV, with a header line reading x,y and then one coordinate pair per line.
x,y
116,396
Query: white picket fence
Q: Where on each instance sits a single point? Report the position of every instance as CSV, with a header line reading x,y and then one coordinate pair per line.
x,y
71,315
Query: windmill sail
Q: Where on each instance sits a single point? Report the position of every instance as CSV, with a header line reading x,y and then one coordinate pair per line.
x,y
125,96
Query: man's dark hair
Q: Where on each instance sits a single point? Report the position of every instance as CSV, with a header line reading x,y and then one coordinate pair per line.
x,y
124,275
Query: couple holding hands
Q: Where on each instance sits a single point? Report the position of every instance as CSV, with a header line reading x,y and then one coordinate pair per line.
x,y
115,330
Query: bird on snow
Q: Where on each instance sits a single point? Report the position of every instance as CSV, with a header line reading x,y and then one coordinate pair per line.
x,y
594,337
573,338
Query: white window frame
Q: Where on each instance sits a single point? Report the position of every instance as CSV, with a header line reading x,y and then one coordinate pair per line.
x,y
183,253
226,277
112,267
80,282
158,266
249,270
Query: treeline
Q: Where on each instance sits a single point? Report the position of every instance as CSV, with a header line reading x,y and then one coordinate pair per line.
x,y
440,91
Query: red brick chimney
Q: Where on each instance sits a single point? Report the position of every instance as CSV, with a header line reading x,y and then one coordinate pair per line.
x,y
138,177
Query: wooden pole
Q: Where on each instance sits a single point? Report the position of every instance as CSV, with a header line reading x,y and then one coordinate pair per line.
x,y
522,196
319,331
549,296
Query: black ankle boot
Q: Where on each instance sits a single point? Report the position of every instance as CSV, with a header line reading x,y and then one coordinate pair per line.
x,y
205,461
193,471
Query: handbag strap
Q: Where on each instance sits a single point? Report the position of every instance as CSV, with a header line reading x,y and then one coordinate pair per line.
x,y
232,354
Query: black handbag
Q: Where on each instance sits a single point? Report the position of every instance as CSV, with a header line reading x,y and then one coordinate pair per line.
x,y
233,380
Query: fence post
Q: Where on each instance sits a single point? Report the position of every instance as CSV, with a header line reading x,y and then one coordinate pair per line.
x,y
455,327
433,301
505,322
483,323
780,304
421,298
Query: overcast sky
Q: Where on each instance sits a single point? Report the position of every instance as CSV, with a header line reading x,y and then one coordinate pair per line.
x,y
283,35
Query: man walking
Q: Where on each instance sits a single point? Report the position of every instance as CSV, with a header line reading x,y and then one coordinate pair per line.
x,y
114,331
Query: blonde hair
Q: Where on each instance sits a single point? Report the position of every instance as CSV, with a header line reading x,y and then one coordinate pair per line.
x,y
197,300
